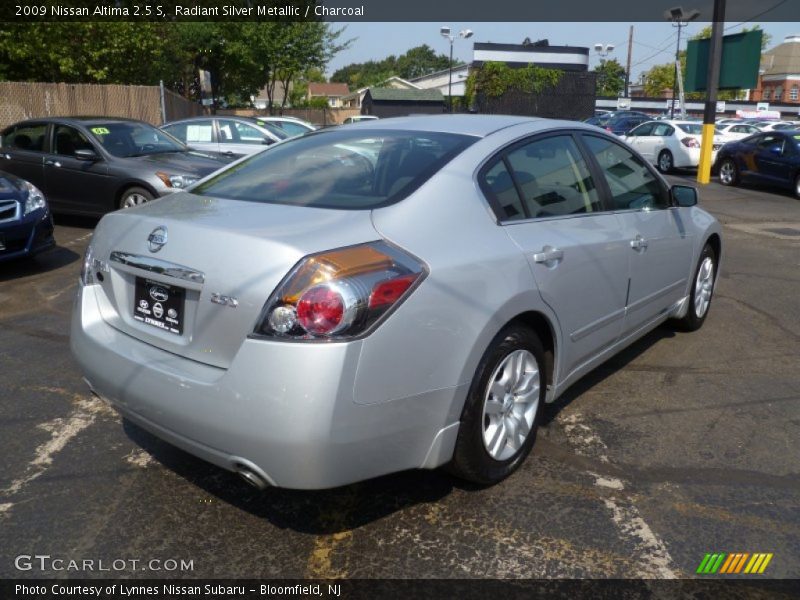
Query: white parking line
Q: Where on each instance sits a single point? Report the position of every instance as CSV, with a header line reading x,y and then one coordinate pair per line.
x,y
653,552
139,458
76,240
61,431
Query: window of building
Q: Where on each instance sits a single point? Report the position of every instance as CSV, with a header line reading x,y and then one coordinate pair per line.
x,y
767,93
778,93
793,93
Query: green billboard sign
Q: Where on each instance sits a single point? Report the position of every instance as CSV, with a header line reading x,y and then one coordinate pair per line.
x,y
741,57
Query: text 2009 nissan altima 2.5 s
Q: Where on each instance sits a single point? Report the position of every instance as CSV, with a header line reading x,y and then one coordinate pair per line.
x,y
403,294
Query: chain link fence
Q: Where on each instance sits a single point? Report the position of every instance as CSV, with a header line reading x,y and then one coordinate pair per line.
x,y
22,100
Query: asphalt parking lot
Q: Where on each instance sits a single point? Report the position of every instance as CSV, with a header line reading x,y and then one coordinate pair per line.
x,y
684,444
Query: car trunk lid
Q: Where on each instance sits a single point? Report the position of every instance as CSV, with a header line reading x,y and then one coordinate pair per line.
x,y
212,261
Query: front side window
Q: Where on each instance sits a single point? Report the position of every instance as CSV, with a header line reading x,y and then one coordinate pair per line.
x,y
553,178
633,186
241,133
771,142
339,169
68,139
26,137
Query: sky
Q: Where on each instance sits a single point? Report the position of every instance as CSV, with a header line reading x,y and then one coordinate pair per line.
x,y
653,43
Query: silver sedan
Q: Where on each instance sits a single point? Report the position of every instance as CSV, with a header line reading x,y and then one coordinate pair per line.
x,y
403,294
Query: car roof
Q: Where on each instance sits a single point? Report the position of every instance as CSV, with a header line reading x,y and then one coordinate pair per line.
x,y
474,125
80,120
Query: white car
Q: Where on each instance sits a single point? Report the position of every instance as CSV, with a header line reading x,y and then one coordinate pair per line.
x,y
670,144
778,125
735,131
358,119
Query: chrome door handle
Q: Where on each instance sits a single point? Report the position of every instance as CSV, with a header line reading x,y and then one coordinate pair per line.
x,y
639,243
548,254
53,163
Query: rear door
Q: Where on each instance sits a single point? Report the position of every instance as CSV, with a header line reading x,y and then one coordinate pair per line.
x,y
658,243
552,210
198,134
641,138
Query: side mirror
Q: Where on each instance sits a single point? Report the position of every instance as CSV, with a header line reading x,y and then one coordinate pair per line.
x,y
267,141
86,154
683,195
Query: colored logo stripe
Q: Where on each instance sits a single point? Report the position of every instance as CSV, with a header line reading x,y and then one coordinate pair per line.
x,y
733,563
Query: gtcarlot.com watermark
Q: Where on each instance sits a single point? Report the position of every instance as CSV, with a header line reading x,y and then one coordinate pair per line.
x,y
46,562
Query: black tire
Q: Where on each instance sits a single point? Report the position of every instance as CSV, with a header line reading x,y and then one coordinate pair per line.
x,y
693,321
728,172
471,459
665,162
132,195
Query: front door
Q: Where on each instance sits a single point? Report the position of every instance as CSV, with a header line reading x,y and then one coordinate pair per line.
x,y
658,244
76,185
576,251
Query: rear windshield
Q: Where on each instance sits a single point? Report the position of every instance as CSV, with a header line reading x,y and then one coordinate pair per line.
x,y
345,169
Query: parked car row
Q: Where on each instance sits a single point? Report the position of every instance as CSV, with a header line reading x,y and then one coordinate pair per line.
x,y
93,165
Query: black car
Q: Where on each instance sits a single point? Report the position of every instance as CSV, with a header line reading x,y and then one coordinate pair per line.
x,y
26,225
92,165
620,124
770,158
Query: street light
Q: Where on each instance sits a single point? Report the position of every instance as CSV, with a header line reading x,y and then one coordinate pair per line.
x,y
445,33
680,19
604,49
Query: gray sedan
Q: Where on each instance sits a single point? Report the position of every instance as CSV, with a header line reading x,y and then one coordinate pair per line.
x,y
92,165
403,294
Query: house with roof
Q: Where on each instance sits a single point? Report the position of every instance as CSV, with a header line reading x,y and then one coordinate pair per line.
x,y
333,92
355,99
780,73
393,102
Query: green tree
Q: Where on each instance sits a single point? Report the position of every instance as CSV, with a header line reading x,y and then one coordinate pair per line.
x,y
420,61
416,62
610,78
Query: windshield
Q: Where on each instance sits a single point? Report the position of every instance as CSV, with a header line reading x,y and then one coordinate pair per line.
x,y
339,169
692,128
126,139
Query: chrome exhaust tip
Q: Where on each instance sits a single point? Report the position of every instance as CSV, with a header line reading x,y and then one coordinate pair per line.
x,y
251,477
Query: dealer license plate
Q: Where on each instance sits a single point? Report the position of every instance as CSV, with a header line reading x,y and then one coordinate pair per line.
x,y
159,305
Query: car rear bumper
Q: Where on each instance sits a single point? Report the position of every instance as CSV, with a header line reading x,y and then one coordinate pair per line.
x,y
284,410
27,237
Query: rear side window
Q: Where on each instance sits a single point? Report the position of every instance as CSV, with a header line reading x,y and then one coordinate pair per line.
x,y
632,185
339,169
26,137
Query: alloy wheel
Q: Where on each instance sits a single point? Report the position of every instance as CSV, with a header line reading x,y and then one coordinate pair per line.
x,y
510,404
703,287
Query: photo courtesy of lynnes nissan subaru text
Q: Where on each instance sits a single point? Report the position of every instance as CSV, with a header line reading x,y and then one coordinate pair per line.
x,y
396,294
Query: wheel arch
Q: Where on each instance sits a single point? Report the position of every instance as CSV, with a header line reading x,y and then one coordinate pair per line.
x,y
124,186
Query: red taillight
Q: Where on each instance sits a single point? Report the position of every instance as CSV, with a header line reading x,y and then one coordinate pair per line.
x,y
340,294
690,142
320,310
389,292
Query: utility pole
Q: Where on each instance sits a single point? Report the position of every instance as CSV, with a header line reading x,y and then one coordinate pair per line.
x,y
628,66
710,113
